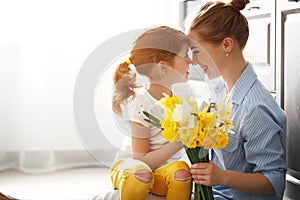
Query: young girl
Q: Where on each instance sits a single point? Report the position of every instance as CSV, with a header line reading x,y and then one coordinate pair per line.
x,y
148,163
253,165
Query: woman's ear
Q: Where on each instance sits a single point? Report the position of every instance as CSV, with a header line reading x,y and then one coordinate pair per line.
x,y
227,44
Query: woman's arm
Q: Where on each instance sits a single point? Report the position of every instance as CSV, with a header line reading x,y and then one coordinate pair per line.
x,y
211,175
141,147
253,183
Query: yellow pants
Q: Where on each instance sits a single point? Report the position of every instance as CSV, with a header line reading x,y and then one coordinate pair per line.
x,y
161,182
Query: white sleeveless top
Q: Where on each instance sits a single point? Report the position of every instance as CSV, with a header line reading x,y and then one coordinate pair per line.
x,y
133,111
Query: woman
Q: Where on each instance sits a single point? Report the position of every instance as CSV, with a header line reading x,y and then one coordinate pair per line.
x,y
253,164
148,163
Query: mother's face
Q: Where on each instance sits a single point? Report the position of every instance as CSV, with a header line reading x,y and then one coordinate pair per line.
x,y
204,54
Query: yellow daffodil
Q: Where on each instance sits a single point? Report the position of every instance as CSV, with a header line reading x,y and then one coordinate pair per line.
x,y
197,130
222,141
169,103
170,130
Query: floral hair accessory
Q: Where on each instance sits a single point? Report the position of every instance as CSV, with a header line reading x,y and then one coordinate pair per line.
x,y
128,61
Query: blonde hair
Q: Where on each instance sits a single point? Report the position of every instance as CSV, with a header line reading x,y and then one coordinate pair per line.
x,y
154,45
217,20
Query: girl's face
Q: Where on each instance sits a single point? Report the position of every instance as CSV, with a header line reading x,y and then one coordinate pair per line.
x,y
206,55
181,63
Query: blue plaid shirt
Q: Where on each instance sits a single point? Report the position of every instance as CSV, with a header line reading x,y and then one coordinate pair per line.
x,y
258,144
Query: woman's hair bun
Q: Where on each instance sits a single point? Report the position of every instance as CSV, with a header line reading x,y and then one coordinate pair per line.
x,y
239,4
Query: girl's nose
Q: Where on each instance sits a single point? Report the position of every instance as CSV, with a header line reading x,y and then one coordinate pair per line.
x,y
194,61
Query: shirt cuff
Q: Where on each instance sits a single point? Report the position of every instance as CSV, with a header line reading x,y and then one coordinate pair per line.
x,y
277,179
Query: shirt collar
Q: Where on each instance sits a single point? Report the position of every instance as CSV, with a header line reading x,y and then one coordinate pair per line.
x,y
243,85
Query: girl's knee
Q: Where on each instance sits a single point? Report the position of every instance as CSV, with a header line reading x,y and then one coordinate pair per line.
x,y
143,175
182,175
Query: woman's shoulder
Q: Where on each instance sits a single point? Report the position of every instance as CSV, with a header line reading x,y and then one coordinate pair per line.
x,y
260,101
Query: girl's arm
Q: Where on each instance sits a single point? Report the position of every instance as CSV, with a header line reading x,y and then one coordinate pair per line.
x,y
141,147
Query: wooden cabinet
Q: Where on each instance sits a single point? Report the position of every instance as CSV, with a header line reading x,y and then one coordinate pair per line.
x,y
288,67
260,48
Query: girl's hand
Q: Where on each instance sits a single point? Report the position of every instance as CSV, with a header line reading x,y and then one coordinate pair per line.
x,y
207,174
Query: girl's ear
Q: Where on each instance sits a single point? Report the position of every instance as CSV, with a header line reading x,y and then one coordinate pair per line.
x,y
227,44
162,67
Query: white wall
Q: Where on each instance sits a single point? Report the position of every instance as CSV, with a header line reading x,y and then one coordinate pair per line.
x,y
43,44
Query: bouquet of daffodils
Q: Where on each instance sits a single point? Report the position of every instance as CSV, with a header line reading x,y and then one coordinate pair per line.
x,y
197,130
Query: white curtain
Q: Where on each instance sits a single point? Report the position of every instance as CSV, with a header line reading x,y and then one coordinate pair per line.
x,y
43,46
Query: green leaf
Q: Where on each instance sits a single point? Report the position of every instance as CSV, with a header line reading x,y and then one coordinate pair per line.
x,y
153,123
151,117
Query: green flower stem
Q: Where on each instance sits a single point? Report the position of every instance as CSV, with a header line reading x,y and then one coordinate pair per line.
x,y
200,155
195,155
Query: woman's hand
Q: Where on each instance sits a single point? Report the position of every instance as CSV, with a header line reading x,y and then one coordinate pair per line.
x,y
207,174
211,175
